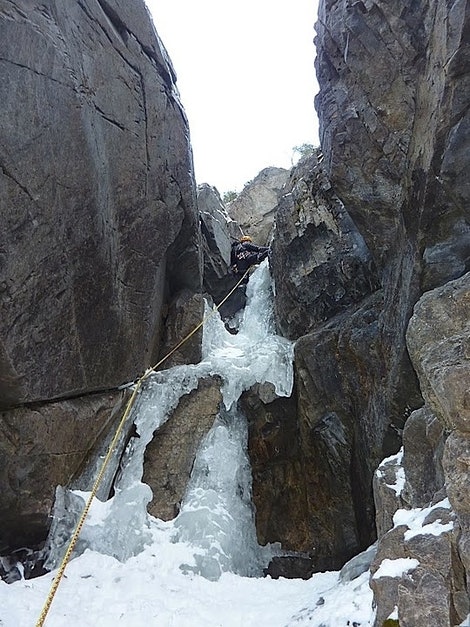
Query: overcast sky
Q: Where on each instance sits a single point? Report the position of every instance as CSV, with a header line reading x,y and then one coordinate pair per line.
x,y
246,79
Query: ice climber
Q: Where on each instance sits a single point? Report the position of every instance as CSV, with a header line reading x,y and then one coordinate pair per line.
x,y
245,254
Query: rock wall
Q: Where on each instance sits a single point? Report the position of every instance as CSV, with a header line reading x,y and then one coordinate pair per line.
x,y
100,225
394,124
433,472
218,231
96,190
254,208
42,447
99,254
367,227
318,255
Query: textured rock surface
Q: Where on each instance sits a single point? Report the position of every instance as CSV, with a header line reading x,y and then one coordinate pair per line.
x,y
218,232
185,314
319,259
97,196
421,574
342,385
435,464
456,468
99,231
394,124
218,228
393,109
41,448
307,477
388,486
170,455
424,437
254,208
439,345
278,486
344,391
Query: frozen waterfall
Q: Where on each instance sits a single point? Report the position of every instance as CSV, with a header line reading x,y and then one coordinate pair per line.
x,y
215,527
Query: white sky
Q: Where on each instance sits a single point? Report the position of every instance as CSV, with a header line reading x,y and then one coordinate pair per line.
x,y
247,81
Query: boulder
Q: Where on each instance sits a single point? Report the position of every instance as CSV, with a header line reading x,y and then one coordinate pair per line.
x,y
456,464
436,466
417,570
424,438
388,485
438,339
218,228
358,564
218,232
169,457
290,567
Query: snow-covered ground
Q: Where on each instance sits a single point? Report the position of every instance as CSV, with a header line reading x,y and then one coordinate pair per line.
x,y
151,590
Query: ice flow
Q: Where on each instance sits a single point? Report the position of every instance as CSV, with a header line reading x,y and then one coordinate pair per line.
x,y
216,519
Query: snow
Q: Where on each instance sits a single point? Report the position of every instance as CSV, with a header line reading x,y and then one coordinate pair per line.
x,y
150,589
399,484
396,567
394,614
396,461
466,622
393,459
433,529
414,519
204,568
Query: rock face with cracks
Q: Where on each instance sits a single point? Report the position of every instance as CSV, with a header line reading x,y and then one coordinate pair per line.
x,y
100,224
435,471
218,232
43,447
378,217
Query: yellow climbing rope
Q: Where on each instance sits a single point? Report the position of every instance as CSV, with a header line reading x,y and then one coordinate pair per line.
x,y
130,403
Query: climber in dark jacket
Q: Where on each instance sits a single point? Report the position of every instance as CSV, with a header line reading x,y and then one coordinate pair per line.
x,y
245,254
